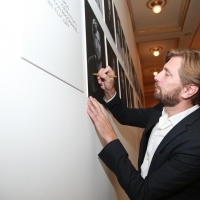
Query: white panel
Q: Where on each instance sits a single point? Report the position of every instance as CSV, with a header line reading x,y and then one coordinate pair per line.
x,y
48,144
52,38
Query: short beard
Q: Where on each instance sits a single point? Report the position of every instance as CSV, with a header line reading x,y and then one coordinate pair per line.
x,y
169,100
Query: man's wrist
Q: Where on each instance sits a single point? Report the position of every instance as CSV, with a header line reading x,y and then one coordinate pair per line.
x,y
110,139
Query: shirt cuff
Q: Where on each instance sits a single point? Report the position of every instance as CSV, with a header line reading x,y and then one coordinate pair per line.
x,y
104,98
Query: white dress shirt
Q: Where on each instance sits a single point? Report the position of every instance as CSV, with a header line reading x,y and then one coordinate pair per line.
x,y
160,130
104,98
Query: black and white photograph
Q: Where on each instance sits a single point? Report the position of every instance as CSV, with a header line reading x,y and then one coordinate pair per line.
x,y
123,44
95,52
122,78
118,30
112,62
109,17
126,57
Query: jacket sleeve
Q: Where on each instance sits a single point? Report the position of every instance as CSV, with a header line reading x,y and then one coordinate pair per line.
x,y
174,176
126,116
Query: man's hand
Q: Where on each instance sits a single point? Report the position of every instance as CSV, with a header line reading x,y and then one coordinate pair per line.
x,y
106,83
100,119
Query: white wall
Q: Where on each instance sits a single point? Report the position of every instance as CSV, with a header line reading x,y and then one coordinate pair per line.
x,y
48,145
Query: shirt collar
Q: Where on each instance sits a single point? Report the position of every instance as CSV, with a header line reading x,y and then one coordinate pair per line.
x,y
178,117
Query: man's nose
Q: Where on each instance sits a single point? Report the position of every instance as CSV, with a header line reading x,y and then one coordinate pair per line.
x,y
156,77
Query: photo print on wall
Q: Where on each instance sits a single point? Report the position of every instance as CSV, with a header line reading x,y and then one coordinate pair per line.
x,y
120,38
118,30
126,57
95,52
112,62
123,44
109,17
122,78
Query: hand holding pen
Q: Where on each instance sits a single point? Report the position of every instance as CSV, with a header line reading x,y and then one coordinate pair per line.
x,y
105,78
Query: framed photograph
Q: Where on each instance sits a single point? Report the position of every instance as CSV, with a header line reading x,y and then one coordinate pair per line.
x,y
95,52
118,30
122,79
109,17
112,62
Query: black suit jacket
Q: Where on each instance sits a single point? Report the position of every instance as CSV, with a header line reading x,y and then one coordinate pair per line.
x,y
174,172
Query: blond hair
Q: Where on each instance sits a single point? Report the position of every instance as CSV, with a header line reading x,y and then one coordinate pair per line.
x,y
190,70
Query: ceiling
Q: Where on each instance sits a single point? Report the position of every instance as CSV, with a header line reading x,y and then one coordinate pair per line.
x,y
176,26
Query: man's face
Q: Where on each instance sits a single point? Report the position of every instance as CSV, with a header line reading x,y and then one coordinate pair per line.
x,y
94,26
96,40
168,85
97,48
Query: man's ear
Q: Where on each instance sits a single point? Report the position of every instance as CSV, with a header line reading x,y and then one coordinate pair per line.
x,y
189,91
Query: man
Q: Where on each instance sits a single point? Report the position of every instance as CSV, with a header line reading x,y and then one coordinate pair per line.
x,y
169,157
95,63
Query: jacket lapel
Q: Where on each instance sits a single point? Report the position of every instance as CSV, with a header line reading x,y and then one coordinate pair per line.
x,y
174,132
